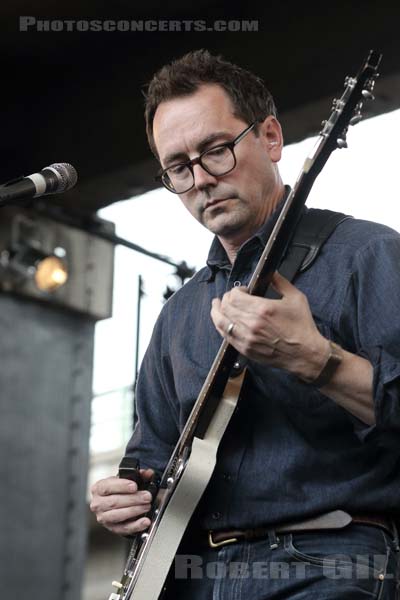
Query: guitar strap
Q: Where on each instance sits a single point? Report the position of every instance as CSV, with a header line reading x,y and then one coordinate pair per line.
x,y
314,228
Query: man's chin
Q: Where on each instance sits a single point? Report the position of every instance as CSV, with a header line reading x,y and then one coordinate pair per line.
x,y
222,224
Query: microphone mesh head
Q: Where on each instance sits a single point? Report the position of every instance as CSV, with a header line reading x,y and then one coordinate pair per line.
x,y
66,174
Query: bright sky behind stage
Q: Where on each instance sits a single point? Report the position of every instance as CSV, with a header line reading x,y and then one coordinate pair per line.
x,y
360,181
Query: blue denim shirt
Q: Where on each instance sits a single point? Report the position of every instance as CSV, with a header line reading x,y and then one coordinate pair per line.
x,y
289,452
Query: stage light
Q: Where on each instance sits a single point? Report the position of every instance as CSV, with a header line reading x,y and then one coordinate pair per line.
x,y
52,262
50,274
48,271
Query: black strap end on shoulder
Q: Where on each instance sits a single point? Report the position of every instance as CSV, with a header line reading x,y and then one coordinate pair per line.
x,y
314,228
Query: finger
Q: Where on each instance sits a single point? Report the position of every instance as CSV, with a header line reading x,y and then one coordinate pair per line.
x,y
224,315
238,305
130,527
240,289
119,515
113,485
232,303
281,284
146,474
237,297
217,315
216,304
107,503
229,329
222,324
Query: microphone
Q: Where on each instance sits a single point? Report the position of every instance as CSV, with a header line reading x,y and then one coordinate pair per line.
x,y
54,179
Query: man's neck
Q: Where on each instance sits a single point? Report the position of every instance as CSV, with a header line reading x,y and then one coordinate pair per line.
x,y
233,244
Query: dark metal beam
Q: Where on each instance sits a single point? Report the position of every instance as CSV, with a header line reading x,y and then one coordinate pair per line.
x,y
77,97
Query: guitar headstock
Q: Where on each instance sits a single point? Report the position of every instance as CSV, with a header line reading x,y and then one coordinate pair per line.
x,y
347,110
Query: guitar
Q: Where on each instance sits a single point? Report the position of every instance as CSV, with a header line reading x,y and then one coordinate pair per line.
x,y
192,463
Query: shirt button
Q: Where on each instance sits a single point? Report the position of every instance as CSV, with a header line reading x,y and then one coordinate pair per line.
x,y
237,283
226,476
216,515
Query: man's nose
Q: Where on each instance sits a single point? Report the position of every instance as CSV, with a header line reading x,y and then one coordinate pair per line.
x,y
203,179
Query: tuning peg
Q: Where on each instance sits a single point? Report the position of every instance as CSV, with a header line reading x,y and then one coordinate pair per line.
x,y
368,95
337,104
117,584
356,119
341,142
350,81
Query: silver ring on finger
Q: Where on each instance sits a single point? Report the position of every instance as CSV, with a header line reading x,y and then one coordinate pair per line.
x,y
231,327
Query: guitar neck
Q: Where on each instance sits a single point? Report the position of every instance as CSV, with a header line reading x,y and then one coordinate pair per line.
x,y
346,111
227,358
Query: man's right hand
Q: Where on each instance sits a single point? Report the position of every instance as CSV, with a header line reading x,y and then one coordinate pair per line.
x,y
119,506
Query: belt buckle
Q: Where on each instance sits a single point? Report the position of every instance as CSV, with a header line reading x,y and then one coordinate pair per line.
x,y
213,544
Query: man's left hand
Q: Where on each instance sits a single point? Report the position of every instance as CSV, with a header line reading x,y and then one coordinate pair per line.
x,y
281,333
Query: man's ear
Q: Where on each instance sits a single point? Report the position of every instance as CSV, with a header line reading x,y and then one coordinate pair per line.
x,y
271,132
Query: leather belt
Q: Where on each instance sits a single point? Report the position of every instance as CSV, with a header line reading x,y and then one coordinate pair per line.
x,y
336,519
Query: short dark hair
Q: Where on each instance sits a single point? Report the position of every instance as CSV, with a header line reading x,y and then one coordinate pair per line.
x,y
250,98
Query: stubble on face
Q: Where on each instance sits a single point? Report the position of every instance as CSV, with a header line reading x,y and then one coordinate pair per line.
x,y
227,216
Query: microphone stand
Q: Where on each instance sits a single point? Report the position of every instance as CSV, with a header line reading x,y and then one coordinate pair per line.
x,y
140,294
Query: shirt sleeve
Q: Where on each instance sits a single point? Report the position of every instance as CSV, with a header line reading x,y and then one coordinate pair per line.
x,y
156,430
374,300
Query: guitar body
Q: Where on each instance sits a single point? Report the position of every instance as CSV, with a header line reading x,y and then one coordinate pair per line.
x,y
188,491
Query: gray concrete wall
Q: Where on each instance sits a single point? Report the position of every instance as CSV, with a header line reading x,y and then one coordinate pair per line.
x,y
45,393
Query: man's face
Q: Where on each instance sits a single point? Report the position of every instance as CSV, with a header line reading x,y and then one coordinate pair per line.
x,y
235,205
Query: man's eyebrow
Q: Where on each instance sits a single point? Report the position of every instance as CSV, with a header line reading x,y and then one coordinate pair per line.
x,y
213,137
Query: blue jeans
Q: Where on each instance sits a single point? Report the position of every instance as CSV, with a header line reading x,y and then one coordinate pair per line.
x,y
356,563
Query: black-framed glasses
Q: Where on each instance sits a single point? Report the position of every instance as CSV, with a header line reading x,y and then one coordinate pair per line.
x,y
217,161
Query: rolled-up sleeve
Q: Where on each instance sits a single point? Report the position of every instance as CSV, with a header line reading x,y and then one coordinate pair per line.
x,y
372,307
